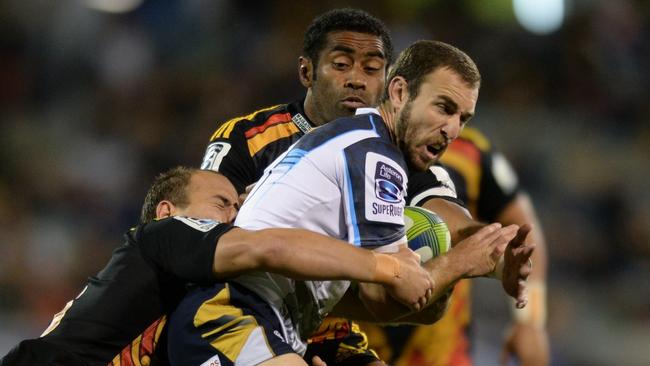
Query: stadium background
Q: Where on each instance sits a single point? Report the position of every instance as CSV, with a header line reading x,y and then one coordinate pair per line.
x,y
94,103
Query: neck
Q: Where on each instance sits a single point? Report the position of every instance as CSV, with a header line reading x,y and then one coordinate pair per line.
x,y
310,110
387,113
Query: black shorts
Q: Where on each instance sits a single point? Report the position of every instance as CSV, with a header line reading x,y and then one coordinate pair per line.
x,y
32,352
222,325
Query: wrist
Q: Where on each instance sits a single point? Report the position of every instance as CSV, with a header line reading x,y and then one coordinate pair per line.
x,y
497,273
534,313
387,269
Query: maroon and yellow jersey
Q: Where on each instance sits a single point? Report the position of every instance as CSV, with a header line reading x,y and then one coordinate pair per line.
x,y
243,147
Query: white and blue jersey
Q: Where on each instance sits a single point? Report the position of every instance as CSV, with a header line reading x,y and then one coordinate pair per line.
x,y
346,180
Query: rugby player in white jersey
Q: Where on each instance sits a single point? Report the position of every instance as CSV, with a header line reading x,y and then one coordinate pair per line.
x,y
347,179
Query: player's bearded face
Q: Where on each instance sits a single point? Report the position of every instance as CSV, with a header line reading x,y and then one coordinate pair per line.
x,y
428,123
421,149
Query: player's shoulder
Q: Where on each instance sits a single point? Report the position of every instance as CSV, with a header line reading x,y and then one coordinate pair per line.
x,y
348,130
175,225
365,120
251,124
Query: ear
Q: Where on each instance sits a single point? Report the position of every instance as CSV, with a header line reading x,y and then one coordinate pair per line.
x,y
305,71
398,92
165,209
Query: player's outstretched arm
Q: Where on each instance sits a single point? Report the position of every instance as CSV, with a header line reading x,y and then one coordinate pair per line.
x,y
302,254
516,269
474,256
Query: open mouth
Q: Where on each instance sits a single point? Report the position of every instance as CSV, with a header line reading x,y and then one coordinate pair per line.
x,y
436,150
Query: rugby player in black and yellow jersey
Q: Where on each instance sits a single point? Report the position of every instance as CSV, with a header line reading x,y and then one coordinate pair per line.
x,y
339,71
184,237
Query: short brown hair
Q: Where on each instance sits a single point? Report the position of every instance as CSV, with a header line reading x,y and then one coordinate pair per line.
x,y
171,186
423,57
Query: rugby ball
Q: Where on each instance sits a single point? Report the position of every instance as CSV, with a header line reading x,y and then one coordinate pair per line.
x,y
426,233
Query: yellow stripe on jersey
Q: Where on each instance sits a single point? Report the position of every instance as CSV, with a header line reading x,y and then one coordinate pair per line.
x,y
476,137
226,128
470,171
135,351
229,320
271,134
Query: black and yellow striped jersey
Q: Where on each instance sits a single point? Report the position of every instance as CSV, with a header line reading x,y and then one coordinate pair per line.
x,y
243,147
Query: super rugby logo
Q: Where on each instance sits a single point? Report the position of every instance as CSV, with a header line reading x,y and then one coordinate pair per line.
x,y
387,183
384,190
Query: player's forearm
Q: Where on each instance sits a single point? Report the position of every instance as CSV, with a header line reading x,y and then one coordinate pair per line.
x,y
433,312
296,253
302,254
458,220
444,270
382,308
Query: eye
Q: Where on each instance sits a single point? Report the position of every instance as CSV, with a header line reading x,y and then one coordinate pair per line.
x,y
373,65
339,65
444,108
371,70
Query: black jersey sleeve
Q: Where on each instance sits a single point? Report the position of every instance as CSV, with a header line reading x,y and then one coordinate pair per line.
x,y
499,185
434,182
228,154
182,247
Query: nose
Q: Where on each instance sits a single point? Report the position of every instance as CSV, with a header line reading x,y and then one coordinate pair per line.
x,y
355,79
232,214
452,128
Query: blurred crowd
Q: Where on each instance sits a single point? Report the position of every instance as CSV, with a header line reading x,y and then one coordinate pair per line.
x,y
94,104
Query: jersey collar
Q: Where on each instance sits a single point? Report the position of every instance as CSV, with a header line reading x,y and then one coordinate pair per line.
x,y
366,111
299,117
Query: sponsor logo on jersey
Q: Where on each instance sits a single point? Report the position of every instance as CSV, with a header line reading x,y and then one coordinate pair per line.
x,y
388,183
214,154
213,361
203,225
301,122
384,189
